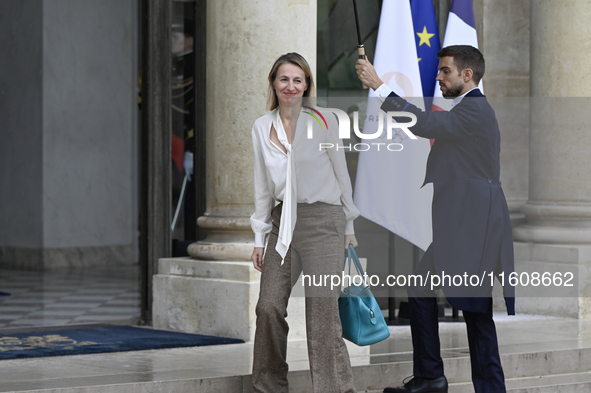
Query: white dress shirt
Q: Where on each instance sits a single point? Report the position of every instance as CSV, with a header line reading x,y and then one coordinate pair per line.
x,y
459,99
305,174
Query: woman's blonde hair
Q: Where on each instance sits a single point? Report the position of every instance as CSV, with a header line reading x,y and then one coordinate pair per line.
x,y
296,59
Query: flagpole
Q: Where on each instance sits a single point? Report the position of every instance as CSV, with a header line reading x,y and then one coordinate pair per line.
x,y
410,216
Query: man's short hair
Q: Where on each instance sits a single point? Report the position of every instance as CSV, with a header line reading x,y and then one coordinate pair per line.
x,y
465,56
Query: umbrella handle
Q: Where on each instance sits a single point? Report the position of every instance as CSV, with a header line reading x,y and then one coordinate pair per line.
x,y
361,52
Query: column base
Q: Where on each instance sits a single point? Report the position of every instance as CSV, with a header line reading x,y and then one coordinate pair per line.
x,y
517,217
228,238
559,260
214,298
220,251
555,224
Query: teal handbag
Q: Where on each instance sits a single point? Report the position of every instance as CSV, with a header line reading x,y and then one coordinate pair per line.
x,y
361,317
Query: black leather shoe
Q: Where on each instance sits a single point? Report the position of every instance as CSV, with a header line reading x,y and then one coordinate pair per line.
x,y
421,385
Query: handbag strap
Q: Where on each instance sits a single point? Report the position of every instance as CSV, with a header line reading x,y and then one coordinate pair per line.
x,y
351,255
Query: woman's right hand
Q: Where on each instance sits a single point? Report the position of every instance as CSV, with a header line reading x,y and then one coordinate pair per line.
x,y
257,258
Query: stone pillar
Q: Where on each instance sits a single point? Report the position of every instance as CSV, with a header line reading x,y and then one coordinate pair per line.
x,y
505,44
557,234
244,38
243,41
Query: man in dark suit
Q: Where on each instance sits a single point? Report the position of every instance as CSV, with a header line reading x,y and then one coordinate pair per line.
x,y
471,226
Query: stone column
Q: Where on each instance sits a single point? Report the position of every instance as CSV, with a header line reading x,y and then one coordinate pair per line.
x,y
505,45
215,291
243,40
557,234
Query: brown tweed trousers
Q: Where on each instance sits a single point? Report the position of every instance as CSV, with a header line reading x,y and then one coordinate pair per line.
x,y
317,248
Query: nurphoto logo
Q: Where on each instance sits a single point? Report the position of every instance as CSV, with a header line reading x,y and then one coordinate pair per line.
x,y
393,122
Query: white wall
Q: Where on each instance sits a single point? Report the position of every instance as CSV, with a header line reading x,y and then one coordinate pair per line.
x,y
68,177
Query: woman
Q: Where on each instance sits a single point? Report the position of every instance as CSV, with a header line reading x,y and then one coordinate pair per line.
x,y
307,231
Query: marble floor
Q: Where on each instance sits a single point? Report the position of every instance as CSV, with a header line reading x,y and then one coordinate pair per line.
x,y
70,297
112,296
517,335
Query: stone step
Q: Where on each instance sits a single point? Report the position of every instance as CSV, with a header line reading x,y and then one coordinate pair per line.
x,y
539,355
530,372
528,366
564,383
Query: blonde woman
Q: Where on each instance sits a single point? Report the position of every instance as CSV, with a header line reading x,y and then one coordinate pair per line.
x,y
307,231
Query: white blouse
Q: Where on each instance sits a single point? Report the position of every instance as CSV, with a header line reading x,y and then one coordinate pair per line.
x,y
307,173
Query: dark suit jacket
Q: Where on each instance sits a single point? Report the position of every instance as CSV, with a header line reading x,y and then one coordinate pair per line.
x,y
471,225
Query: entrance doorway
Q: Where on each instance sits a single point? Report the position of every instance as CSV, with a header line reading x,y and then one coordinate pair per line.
x,y
69,185
172,133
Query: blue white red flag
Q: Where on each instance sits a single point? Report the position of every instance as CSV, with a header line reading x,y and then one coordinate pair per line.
x,y
428,44
388,183
460,30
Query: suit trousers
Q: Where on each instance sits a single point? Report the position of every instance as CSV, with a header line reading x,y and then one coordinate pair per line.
x,y
317,249
487,372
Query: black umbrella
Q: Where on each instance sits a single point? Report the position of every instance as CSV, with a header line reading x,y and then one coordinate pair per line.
x,y
360,47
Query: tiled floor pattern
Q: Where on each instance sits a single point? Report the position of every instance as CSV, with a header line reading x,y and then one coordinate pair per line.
x,y
69,297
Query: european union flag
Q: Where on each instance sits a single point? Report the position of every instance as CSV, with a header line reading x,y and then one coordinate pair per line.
x,y
428,44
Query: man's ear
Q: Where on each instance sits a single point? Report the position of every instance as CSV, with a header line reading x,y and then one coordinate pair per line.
x,y
467,75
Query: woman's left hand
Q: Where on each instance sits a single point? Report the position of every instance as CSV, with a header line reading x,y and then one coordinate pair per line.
x,y
350,239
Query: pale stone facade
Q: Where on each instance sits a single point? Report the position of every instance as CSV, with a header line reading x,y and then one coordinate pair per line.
x,y
557,235
504,40
243,43
69,134
548,167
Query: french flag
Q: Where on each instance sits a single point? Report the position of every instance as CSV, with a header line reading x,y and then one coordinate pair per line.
x,y
428,44
388,184
460,30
